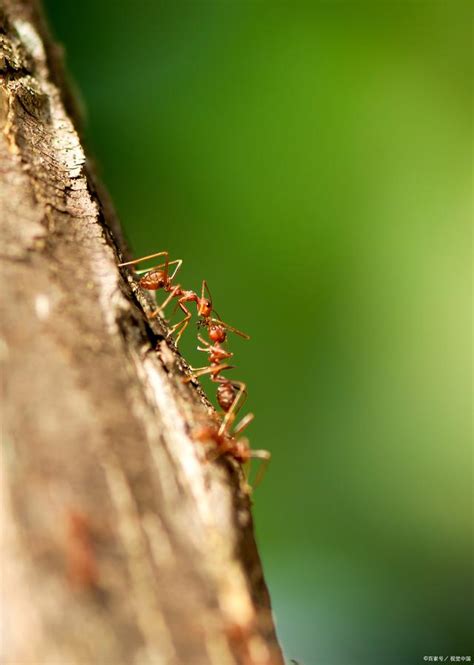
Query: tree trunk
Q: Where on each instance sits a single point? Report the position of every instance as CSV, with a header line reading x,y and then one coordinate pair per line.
x,y
121,543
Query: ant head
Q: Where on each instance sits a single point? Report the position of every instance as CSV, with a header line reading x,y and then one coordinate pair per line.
x,y
204,307
217,333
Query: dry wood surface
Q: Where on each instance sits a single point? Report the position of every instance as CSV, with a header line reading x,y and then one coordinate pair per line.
x,y
120,542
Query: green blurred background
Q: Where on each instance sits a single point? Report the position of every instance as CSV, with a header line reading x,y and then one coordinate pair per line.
x,y
313,163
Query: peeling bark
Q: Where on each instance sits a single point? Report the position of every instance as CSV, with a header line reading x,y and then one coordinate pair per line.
x,y
121,544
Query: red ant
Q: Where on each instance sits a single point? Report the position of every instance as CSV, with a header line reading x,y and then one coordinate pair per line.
x,y
238,448
158,277
229,397
229,393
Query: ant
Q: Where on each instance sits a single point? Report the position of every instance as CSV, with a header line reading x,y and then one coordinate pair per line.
x,y
239,449
229,393
230,396
158,277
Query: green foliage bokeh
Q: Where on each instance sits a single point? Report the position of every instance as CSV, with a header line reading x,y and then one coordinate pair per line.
x,y
312,162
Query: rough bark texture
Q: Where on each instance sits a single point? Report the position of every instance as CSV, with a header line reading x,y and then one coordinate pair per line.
x,y
121,544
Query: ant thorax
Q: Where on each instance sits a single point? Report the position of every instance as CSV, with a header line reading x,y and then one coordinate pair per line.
x,y
217,354
185,296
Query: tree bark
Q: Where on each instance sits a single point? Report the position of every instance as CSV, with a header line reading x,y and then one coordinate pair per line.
x,y
121,543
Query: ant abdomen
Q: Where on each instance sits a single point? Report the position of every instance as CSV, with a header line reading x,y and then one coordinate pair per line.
x,y
153,281
225,395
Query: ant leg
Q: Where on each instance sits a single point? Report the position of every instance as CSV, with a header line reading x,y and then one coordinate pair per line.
x,y
179,263
160,308
265,457
246,471
185,322
232,412
205,287
182,325
244,423
213,369
209,348
144,258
